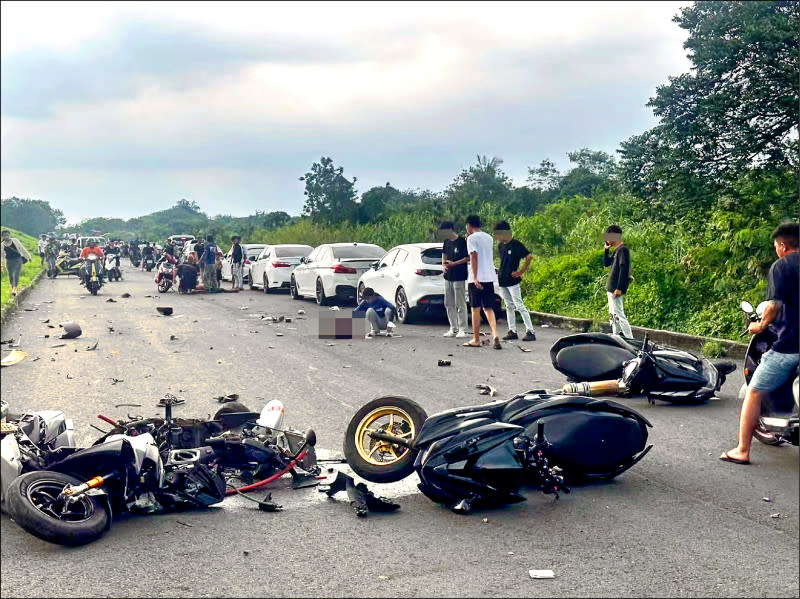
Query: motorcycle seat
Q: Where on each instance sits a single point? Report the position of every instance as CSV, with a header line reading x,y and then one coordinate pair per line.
x,y
590,361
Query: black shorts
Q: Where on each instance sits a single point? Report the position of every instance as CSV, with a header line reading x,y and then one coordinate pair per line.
x,y
481,298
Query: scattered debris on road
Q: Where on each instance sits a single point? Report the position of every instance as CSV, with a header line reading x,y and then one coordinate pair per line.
x,y
541,574
15,357
520,348
775,516
72,330
164,310
58,345
444,362
115,381
487,390
125,295
182,523
128,405
170,399
767,499
227,398
173,338
92,347
301,311
111,300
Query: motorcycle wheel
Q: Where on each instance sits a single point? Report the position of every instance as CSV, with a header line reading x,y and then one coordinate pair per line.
x,y
766,437
93,289
231,407
164,286
379,461
33,503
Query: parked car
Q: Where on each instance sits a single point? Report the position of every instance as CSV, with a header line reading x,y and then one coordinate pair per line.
x,y
251,252
181,240
409,276
332,271
274,266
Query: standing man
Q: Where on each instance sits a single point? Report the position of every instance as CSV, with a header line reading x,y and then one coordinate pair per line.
x,y
237,263
511,252
618,279
482,278
209,261
780,362
41,246
14,254
198,251
454,267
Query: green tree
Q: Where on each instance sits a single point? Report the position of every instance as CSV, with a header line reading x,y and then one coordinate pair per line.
x,y
33,217
330,197
484,182
545,176
374,201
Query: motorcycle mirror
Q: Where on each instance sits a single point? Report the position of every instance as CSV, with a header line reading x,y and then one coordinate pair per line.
x,y
310,437
747,307
760,308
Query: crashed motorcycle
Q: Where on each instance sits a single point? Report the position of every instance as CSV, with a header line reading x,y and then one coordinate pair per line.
x,y
779,421
480,456
667,374
166,273
113,271
66,265
69,495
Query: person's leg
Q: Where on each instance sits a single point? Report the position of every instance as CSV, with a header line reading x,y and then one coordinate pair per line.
x,y
376,323
511,317
624,325
773,371
519,303
14,267
459,289
475,306
450,307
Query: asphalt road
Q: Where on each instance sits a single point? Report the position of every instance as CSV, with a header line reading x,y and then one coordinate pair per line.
x,y
680,523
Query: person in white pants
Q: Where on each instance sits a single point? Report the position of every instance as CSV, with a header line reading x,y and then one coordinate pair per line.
x,y
454,267
511,252
619,278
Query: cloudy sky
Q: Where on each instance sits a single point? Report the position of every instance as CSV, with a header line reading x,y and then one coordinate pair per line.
x,y
119,109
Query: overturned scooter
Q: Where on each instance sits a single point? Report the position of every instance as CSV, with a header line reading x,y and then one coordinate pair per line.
x,y
479,456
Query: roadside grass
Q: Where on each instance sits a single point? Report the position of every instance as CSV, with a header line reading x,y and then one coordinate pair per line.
x,y
29,270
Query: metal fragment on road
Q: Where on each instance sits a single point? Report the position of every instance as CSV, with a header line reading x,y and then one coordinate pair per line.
x,y
520,348
539,574
115,381
58,345
92,347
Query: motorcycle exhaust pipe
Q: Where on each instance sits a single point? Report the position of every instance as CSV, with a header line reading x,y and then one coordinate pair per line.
x,y
595,389
78,490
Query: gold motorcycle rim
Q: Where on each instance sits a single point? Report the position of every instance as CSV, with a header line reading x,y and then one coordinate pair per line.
x,y
390,420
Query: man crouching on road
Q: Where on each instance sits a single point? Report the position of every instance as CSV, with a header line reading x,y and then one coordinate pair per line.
x,y
780,362
380,313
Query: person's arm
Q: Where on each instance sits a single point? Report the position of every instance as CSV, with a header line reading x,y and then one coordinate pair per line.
x,y
608,259
474,263
624,270
777,291
519,273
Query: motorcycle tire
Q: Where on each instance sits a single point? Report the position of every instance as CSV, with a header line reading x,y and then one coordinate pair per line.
x,y
164,286
406,418
31,493
231,407
93,289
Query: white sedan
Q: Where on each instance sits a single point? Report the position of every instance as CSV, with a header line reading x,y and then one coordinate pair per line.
x,y
274,266
332,270
410,277
251,252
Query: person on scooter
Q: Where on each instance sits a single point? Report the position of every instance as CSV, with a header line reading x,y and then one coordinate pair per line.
x,y
148,251
780,362
91,248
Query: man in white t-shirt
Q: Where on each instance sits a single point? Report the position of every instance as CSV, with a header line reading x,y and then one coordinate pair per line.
x,y
481,277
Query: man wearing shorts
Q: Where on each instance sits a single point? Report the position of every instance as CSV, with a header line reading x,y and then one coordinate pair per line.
x,y
780,362
482,279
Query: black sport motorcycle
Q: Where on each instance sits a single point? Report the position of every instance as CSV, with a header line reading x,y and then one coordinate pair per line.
x,y
663,373
479,456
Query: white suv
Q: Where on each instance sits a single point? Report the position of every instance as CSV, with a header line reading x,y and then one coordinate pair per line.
x,y
410,277
332,271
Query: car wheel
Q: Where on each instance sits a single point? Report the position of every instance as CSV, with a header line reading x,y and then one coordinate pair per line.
x,y
293,289
266,283
403,309
360,293
322,300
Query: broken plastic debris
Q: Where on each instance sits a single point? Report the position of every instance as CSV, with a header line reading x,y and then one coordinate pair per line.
x,y
125,295
227,398
334,308
541,574
58,345
112,300
444,362
486,390
165,310
520,348
301,311
776,515
71,329
15,357
545,326
92,347
767,499
115,381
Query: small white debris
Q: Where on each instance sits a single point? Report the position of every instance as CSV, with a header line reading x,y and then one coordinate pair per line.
x,y
767,499
541,574
776,515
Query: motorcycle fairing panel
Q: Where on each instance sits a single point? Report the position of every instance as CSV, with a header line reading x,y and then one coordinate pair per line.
x,y
480,453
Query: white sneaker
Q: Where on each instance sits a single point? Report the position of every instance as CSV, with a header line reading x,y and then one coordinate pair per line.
x,y
450,333
370,335
462,334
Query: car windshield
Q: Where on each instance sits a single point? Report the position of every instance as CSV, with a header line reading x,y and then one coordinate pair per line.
x,y
292,251
432,256
356,252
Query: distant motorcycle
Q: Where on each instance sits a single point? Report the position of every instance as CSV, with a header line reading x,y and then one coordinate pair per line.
x,y
65,265
93,274
149,262
167,271
113,271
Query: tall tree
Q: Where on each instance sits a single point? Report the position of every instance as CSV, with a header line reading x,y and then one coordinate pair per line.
x,y
330,197
33,217
737,109
483,182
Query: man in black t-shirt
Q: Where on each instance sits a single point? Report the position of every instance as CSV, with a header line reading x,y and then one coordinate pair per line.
x,y
619,277
780,363
454,266
511,252
237,263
